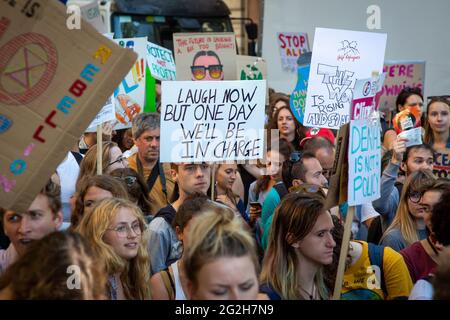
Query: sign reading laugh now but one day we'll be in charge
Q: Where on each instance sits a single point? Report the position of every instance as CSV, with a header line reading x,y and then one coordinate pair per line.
x,y
212,120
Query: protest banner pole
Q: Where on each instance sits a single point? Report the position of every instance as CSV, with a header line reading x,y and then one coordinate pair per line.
x,y
99,148
213,181
343,254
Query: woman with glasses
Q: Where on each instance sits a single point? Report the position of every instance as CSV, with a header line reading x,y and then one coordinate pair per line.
x,y
115,230
112,158
437,124
422,256
137,189
92,189
290,129
408,225
300,244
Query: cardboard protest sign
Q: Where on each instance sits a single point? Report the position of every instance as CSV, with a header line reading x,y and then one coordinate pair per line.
x,y
130,94
441,167
339,58
205,56
212,121
53,82
292,45
298,96
363,103
364,162
160,62
400,74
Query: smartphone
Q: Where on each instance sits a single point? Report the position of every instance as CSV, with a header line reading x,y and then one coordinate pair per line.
x,y
256,204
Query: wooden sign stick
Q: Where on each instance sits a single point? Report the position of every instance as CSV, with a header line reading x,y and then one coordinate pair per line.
x,y
99,149
343,254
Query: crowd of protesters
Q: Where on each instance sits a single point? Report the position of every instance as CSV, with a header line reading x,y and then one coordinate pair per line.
x,y
150,230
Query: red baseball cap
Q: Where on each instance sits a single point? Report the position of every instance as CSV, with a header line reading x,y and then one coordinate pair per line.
x,y
318,132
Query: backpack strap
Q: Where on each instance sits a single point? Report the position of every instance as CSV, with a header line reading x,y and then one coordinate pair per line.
x,y
168,283
78,157
376,256
281,189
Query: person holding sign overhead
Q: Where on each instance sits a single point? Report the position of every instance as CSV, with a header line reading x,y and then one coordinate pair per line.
x,y
206,66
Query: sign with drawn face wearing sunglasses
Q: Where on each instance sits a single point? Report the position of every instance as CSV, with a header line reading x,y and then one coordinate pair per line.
x,y
205,56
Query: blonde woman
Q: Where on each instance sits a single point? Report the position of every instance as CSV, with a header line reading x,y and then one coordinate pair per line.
x,y
300,244
408,225
115,230
220,258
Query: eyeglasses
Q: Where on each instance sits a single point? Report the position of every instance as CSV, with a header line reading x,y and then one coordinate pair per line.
x,y
415,196
129,180
124,230
119,159
199,72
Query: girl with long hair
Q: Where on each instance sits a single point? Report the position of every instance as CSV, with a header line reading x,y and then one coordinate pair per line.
x,y
300,244
408,225
116,232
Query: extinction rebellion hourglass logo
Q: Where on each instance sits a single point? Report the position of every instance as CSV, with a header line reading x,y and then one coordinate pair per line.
x,y
28,63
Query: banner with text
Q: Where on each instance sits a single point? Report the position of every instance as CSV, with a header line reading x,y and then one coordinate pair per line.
x,y
363,103
160,62
292,45
53,81
364,167
212,121
205,56
400,74
441,167
339,58
130,95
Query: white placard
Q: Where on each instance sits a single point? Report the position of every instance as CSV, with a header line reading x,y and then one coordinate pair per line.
x,y
160,62
364,162
339,58
212,120
91,13
130,95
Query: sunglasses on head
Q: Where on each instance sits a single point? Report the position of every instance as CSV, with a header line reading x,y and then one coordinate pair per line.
x,y
199,72
129,180
295,156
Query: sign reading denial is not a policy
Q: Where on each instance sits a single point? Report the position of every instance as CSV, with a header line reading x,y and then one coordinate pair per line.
x,y
364,167
212,120
53,81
